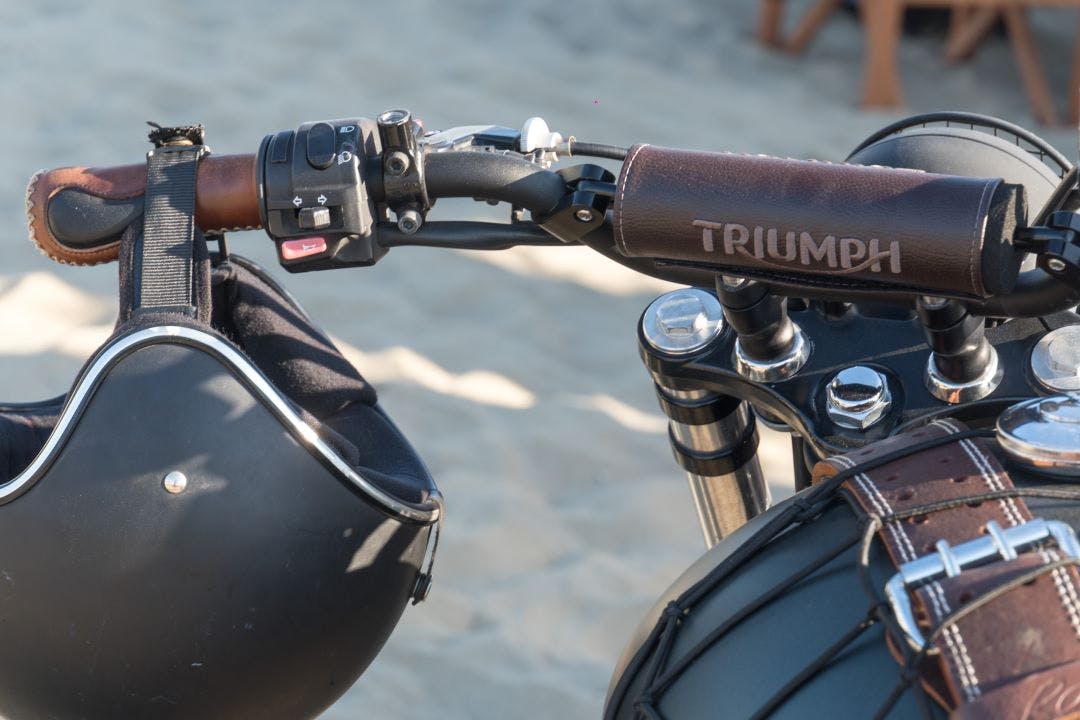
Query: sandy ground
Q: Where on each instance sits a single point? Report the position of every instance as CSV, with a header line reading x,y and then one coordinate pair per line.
x,y
516,375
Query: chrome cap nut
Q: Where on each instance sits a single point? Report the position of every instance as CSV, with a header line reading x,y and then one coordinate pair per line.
x,y
857,397
683,321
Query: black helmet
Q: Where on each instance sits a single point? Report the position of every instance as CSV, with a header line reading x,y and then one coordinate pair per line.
x,y
218,520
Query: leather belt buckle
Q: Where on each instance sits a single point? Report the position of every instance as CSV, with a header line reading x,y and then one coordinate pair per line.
x,y
997,545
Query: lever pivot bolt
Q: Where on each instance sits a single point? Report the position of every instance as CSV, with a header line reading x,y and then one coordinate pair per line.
x,y
409,221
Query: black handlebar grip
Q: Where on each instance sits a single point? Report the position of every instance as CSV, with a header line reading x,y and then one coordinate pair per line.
x,y
76,214
820,224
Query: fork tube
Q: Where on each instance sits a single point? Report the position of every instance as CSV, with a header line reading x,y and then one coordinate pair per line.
x,y
714,438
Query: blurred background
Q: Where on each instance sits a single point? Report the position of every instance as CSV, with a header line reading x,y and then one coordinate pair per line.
x,y
515,374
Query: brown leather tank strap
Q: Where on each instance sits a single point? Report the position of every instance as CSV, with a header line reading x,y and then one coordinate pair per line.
x,y
1017,655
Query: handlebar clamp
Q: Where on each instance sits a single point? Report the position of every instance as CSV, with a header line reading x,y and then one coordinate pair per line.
x,y
404,188
1059,254
584,207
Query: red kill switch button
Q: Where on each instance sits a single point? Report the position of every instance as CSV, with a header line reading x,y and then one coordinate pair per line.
x,y
302,248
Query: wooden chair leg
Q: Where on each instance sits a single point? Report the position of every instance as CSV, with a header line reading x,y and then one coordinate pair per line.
x,y
810,24
1027,59
769,22
1074,82
958,19
967,34
883,23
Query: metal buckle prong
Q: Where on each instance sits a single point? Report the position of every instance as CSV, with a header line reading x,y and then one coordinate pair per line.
x,y
951,561
1007,551
948,560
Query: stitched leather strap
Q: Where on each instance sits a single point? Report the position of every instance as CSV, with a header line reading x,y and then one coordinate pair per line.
x,y
1017,655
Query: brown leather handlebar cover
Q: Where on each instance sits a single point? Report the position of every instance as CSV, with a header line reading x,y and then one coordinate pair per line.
x,y
820,224
226,199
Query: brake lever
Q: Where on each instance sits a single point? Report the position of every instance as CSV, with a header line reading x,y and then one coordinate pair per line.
x,y
478,138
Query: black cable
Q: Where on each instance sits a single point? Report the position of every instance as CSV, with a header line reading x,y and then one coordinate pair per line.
x,y
916,659
871,524
1058,197
673,613
611,152
894,696
823,492
1049,493
802,508
986,404
648,712
664,681
814,668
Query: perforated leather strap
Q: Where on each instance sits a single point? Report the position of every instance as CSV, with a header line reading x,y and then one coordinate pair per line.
x,y
1018,655
165,259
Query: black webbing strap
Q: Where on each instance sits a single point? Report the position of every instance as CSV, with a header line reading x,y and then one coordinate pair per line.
x,y
164,262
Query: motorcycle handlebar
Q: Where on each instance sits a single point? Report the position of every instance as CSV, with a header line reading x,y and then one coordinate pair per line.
x,y
498,177
76,214
827,228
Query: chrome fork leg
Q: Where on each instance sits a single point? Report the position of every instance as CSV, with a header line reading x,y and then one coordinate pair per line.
x,y
715,440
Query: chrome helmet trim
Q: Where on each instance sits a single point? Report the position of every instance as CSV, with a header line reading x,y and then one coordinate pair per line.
x,y
118,348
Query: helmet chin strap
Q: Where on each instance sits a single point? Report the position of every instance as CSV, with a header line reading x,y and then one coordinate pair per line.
x,y
164,255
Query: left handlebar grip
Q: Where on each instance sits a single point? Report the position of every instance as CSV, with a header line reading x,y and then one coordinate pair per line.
x,y
76,215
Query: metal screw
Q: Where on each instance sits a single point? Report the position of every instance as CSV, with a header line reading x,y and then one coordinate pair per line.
x,y
409,221
857,398
397,163
175,482
1055,264
683,321
584,215
681,316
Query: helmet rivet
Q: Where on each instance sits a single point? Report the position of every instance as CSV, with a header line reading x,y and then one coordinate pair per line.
x,y
175,482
